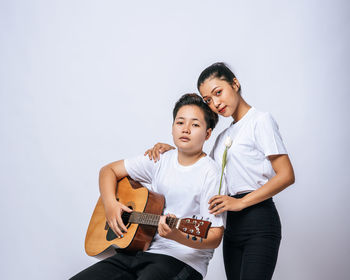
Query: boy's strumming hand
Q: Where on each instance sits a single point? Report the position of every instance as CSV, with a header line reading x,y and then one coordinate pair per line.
x,y
113,212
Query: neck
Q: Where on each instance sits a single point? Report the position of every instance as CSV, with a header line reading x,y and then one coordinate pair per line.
x,y
189,158
242,109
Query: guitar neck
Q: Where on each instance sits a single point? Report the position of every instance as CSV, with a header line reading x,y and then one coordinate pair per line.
x,y
149,219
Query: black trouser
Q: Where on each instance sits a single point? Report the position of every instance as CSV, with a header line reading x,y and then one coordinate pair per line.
x,y
141,266
251,241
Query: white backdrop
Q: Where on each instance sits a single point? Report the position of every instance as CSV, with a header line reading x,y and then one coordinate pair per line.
x,y
84,83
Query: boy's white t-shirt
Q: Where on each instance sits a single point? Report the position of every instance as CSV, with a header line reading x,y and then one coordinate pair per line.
x,y
187,190
255,137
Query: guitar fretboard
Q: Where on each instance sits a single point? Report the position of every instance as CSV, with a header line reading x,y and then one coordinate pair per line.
x,y
148,219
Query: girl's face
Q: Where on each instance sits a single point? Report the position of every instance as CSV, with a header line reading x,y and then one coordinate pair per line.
x,y
222,97
190,129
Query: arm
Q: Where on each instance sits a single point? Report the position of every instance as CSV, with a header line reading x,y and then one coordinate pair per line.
x,y
284,177
211,242
157,149
109,175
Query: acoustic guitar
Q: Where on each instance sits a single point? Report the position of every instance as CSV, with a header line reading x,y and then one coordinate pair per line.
x,y
141,223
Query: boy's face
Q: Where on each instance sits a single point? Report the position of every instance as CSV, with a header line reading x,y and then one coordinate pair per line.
x,y
190,129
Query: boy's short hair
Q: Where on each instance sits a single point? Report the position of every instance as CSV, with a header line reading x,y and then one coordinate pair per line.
x,y
210,117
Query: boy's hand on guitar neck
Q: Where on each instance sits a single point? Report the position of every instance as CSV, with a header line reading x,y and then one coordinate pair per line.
x,y
165,231
114,210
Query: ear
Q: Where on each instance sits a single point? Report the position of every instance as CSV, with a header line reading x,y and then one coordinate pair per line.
x,y
209,130
236,85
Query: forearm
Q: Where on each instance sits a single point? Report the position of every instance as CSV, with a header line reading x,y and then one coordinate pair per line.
x,y
211,242
284,177
107,185
272,187
108,178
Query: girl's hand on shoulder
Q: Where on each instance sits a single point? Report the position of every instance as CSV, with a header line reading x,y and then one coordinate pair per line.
x,y
221,203
159,148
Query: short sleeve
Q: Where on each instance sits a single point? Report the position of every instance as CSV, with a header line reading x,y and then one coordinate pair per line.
x,y
211,188
267,136
141,169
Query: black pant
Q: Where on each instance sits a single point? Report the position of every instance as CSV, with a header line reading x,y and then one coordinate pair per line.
x,y
251,242
141,266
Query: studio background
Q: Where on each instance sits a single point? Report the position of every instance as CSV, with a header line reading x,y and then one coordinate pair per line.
x,y
84,83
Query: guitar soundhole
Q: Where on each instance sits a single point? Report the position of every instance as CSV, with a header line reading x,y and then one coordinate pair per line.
x,y
125,217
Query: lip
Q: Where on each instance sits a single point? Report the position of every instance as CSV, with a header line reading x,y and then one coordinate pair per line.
x,y
222,110
184,139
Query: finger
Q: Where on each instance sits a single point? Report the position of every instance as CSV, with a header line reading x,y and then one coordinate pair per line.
x,y
162,220
221,210
126,209
216,208
213,197
166,228
155,154
121,224
160,227
149,153
115,228
215,202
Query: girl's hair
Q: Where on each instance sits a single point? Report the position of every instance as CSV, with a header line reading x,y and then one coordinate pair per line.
x,y
210,117
217,70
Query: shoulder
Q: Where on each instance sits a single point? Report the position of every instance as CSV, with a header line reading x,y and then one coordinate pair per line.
x,y
169,155
212,167
221,137
261,118
165,159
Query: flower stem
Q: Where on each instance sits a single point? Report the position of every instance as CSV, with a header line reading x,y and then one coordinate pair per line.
x,y
222,173
223,167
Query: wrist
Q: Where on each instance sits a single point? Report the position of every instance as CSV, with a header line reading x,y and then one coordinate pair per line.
x,y
109,202
243,203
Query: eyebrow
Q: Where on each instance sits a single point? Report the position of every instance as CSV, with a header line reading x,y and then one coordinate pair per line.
x,y
211,91
214,89
193,119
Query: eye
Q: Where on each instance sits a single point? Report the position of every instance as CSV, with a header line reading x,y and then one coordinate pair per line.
x,y
218,93
207,100
195,125
179,122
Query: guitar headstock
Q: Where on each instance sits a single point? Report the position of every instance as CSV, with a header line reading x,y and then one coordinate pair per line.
x,y
195,227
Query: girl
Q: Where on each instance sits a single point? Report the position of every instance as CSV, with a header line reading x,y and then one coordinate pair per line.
x,y
257,168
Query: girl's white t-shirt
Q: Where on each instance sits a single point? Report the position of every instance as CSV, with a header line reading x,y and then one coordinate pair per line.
x,y
187,190
255,137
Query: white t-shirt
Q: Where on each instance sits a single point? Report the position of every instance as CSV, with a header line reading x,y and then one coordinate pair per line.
x,y
187,190
255,137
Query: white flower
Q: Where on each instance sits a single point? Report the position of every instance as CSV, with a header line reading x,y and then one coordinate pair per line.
x,y
228,142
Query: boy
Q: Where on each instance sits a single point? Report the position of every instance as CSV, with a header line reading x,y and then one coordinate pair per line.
x,y
187,178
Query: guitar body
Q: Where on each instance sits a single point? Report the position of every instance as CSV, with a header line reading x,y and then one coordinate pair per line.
x,y
100,237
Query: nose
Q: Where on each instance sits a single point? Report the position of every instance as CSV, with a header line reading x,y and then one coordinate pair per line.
x,y
186,129
216,102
